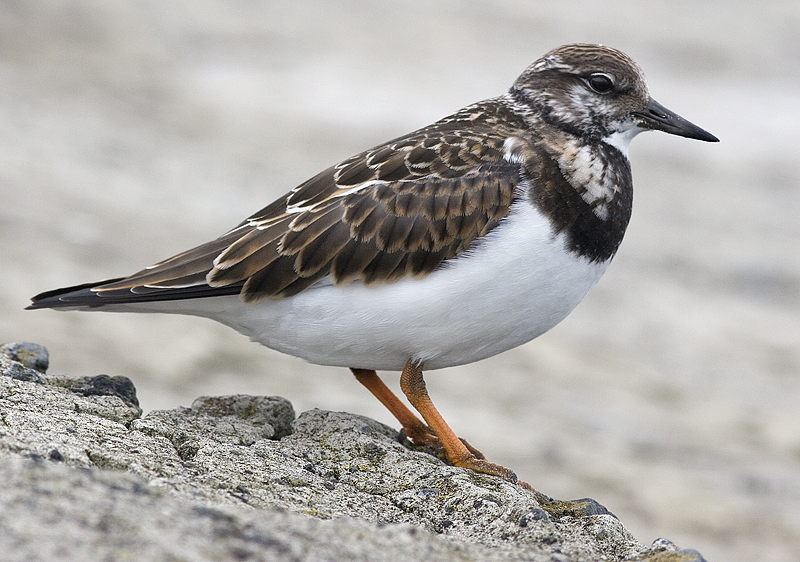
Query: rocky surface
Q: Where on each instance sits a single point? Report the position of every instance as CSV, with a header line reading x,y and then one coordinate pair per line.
x,y
86,477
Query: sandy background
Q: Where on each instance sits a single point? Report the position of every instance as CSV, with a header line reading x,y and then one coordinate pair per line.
x,y
129,133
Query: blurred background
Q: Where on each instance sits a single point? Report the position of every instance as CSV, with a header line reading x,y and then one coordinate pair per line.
x,y
132,131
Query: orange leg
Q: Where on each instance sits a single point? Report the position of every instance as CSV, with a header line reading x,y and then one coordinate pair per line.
x,y
436,433
413,386
413,427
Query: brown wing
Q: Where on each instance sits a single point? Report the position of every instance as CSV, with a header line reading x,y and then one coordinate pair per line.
x,y
398,210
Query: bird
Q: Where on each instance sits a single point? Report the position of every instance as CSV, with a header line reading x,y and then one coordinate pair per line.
x,y
442,247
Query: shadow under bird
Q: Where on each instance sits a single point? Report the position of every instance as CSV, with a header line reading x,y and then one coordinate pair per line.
x,y
445,246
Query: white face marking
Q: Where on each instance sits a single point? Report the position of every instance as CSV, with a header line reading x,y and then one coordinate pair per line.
x,y
621,140
550,62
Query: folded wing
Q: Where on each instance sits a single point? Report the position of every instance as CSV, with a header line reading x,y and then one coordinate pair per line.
x,y
398,210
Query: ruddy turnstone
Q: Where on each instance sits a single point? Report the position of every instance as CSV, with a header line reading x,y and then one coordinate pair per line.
x,y
444,246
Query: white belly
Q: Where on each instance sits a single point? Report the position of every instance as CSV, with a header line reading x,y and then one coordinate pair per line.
x,y
514,286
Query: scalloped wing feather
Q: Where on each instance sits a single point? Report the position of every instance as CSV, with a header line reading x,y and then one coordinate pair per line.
x,y
398,210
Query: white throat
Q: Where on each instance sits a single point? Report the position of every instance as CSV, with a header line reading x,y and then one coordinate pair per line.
x,y
621,140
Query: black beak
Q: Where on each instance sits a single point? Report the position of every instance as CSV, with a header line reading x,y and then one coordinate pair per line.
x,y
657,117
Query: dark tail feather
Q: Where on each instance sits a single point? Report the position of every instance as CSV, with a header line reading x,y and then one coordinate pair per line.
x,y
80,296
77,295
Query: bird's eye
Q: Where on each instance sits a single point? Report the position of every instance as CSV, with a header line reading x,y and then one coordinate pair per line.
x,y
601,83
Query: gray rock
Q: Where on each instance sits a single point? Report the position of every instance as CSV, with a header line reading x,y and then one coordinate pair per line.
x,y
237,477
101,385
30,355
